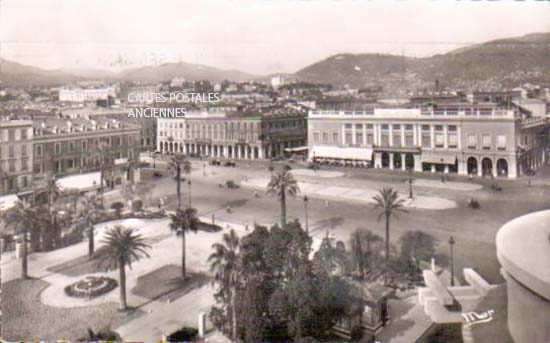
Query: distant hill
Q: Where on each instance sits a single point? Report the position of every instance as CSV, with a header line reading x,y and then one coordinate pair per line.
x,y
495,63
192,72
13,73
498,63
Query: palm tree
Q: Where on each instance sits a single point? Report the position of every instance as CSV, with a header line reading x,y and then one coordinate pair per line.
x,y
52,190
90,212
179,164
387,200
184,221
282,184
224,263
103,152
22,217
122,247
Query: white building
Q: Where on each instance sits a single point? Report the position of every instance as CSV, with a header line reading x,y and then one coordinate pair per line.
x,y
480,140
86,94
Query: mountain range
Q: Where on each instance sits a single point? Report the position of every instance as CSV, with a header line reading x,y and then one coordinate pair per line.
x,y
495,63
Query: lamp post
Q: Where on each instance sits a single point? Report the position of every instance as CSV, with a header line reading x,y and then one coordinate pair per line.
x,y
411,181
306,199
451,243
189,186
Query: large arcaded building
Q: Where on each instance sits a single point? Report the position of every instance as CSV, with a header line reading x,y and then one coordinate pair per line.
x,y
233,134
464,138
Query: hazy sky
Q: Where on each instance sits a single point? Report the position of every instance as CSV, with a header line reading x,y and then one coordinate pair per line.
x,y
257,36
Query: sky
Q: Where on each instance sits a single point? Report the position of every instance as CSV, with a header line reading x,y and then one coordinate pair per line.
x,y
255,36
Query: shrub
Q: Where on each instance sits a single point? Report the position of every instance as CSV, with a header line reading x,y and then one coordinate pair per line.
x,y
137,205
117,206
105,334
356,333
231,184
473,203
185,334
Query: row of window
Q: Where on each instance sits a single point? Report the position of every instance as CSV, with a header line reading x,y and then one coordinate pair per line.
x,y
12,135
213,135
13,182
11,151
83,145
11,166
408,141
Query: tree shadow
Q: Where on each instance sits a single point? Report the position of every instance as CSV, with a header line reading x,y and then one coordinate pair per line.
x,y
330,223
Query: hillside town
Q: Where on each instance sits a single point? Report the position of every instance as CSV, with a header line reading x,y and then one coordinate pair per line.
x,y
77,172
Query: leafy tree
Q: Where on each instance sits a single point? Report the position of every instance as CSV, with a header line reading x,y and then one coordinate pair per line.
x,y
122,247
184,221
387,200
90,212
364,250
418,246
22,217
179,163
224,263
282,184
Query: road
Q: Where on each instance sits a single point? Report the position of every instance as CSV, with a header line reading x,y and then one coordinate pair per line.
x,y
473,230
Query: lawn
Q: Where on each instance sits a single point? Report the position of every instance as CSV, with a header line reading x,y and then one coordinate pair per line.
x,y
165,283
82,265
24,317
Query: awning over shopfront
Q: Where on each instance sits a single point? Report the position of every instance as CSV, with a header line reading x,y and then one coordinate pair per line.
x,y
7,202
82,182
363,154
438,158
297,149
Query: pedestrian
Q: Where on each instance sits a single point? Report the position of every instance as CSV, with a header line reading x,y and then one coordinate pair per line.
x,y
246,226
327,203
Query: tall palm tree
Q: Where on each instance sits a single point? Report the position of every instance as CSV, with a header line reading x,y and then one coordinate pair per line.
x,y
22,217
184,221
282,183
179,164
224,263
103,152
90,211
389,203
52,190
122,247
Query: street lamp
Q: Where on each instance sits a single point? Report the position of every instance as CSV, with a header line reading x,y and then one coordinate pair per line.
x,y
411,181
306,199
189,186
451,243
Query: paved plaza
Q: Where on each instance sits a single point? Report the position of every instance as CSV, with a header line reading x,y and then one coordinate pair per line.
x,y
340,203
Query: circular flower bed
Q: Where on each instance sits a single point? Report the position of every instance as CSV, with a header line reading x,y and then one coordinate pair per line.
x,y
91,286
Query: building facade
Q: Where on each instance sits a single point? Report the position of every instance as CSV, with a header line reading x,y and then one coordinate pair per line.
x,y
148,126
86,94
71,146
16,155
232,135
477,140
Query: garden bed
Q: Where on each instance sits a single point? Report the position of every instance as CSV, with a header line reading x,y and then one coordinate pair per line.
x,y
91,287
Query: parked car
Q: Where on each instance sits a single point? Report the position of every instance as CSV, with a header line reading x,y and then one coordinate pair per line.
x,y
157,174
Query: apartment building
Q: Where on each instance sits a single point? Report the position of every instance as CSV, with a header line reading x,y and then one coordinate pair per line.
x,y
463,138
16,155
233,134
